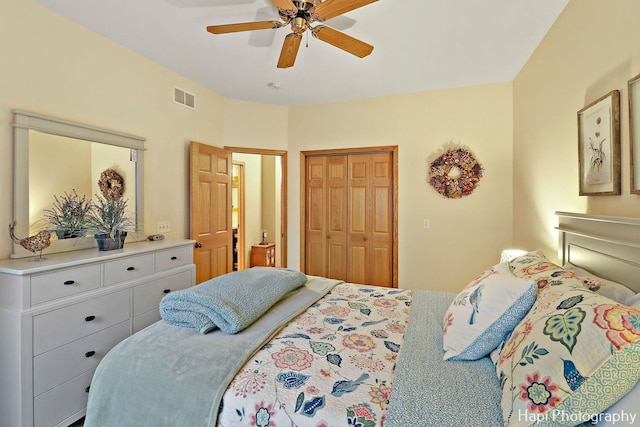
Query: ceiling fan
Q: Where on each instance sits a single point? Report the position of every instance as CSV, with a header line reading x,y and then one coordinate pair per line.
x,y
300,14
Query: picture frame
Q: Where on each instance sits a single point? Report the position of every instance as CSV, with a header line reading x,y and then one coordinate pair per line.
x,y
599,146
634,133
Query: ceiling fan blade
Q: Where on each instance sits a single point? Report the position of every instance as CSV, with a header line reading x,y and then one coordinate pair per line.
x,y
244,26
332,8
286,6
342,41
289,50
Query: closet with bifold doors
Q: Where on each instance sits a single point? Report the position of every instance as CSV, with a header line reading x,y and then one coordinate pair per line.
x,y
350,215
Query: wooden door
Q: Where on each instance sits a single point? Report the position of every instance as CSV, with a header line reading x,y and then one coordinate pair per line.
x,y
210,196
350,207
370,213
326,202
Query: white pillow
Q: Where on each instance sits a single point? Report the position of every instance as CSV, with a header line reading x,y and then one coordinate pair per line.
x,y
608,288
486,312
633,301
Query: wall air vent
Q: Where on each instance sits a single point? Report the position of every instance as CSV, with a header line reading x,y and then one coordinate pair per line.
x,y
185,98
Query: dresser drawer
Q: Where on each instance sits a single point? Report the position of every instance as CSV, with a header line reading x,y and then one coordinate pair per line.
x,y
57,366
127,269
174,257
62,402
147,296
59,284
142,321
59,327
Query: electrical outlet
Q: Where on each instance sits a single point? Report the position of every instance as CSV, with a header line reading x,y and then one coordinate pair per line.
x,y
163,227
426,224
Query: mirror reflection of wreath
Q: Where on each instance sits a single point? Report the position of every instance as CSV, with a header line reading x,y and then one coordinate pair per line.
x,y
111,185
456,173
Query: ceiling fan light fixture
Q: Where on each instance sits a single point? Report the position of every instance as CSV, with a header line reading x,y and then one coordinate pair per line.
x,y
300,14
298,25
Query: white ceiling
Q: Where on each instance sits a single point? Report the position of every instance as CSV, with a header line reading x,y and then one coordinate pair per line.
x,y
419,45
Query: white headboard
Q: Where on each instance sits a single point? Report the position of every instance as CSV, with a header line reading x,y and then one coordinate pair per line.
x,y
607,246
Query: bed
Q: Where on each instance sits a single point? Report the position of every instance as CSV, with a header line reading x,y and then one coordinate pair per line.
x,y
332,353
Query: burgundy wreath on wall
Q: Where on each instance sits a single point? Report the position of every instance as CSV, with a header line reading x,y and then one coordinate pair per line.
x,y
456,173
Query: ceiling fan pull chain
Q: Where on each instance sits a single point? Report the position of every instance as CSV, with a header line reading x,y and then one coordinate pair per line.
x,y
307,45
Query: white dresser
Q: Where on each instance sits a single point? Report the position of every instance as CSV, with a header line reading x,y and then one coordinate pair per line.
x,y
61,315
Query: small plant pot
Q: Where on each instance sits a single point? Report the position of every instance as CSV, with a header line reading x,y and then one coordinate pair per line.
x,y
106,243
70,234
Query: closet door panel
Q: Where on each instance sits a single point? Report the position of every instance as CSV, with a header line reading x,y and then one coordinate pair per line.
x,y
349,217
315,229
381,225
336,235
337,262
357,208
357,264
381,210
315,251
380,272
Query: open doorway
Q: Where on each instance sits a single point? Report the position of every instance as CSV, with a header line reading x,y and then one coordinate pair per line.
x,y
238,221
259,205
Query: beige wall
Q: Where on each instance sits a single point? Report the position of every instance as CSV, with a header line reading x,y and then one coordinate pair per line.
x,y
55,67
467,234
78,75
524,132
591,50
45,179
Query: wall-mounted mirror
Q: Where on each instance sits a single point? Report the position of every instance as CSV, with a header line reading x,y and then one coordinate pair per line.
x,y
55,157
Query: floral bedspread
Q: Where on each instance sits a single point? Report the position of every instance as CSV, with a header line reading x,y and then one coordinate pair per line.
x,y
331,366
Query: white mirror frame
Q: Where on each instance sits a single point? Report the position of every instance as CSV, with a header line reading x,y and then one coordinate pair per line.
x,y
24,122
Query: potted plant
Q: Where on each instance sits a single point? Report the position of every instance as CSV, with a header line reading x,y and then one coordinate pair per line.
x,y
109,222
68,215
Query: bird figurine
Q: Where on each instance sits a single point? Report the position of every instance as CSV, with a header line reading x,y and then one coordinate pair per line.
x,y
36,243
346,386
474,300
571,375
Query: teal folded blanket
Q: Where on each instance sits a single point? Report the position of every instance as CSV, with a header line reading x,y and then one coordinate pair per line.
x,y
230,302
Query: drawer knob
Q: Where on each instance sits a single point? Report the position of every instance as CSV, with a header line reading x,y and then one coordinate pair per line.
x,y
130,268
69,282
166,291
89,353
87,389
173,258
89,318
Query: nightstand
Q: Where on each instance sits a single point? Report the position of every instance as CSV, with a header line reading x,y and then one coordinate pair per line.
x,y
263,255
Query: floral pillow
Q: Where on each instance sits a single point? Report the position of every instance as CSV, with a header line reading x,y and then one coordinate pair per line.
x,y
536,266
485,313
575,354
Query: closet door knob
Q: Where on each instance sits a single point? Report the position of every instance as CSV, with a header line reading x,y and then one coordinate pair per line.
x,y
198,245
